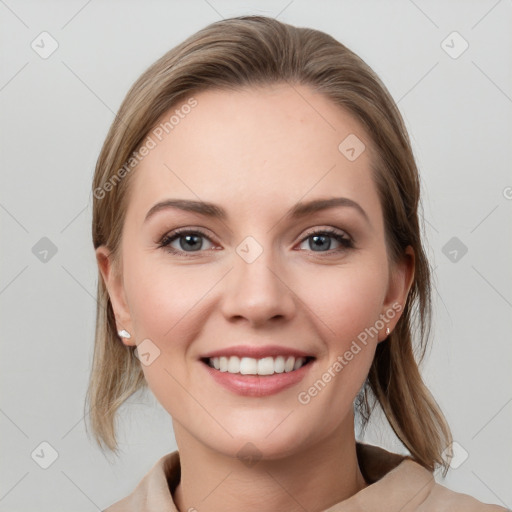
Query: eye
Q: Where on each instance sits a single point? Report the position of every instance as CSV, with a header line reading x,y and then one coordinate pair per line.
x,y
321,239
191,241
187,241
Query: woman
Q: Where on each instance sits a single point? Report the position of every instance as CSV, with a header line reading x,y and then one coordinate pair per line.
x,y
256,228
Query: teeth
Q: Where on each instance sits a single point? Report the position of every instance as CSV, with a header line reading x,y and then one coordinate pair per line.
x,y
297,364
248,366
288,366
251,366
234,364
266,366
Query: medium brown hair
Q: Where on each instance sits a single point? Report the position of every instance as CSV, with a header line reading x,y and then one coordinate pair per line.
x,y
249,51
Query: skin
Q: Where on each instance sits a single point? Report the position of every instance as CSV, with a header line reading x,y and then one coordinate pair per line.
x,y
257,152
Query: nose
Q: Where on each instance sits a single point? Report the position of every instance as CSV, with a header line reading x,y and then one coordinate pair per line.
x,y
257,292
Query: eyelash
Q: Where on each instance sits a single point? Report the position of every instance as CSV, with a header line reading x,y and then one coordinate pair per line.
x,y
167,239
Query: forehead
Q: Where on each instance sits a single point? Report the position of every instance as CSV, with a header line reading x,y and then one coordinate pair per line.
x,y
271,145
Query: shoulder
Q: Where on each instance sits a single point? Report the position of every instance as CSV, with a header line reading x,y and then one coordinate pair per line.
x,y
153,493
398,482
420,492
442,499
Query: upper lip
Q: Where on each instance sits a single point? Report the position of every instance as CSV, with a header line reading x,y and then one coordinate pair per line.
x,y
256,352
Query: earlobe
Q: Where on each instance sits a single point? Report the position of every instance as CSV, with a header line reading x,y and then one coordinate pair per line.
x,y
124,334
113,282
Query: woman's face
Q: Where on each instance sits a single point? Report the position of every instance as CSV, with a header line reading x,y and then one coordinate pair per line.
x,y
258,282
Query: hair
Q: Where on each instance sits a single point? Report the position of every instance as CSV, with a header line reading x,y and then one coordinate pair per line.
x,y
250,51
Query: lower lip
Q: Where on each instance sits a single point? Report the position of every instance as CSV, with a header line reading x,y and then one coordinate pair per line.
x,y
258,385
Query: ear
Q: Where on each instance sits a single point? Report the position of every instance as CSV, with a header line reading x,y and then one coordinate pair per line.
x,y
114,283
400,281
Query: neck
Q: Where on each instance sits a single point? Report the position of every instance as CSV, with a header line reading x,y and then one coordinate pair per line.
x,y
314,479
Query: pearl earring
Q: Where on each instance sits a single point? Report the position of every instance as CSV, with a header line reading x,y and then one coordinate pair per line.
x,y
388,331
124,334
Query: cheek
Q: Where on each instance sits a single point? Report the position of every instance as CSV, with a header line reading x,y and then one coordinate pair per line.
x,y
166,305
347,304
348,300
162,298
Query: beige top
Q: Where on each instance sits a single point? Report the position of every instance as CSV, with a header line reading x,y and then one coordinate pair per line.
x,y
396,483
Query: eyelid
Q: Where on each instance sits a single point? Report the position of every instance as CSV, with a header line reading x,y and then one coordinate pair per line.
x,y
325,229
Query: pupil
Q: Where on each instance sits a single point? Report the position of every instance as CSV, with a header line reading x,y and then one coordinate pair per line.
x,y
322,244
193,244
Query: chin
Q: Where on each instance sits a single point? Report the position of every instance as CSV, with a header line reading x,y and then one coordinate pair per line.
x,y
258,440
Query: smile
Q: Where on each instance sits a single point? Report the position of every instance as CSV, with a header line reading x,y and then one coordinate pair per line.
x,y
252,366
257,371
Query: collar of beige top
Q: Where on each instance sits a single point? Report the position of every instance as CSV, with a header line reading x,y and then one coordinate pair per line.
x,y
396,483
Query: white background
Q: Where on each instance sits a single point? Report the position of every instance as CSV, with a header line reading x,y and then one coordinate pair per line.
x,y
55,113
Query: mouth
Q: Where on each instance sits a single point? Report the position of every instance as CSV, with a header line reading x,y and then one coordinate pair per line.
x,y
257,371
264,366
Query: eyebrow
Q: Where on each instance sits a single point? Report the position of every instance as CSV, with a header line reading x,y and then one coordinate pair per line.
x,y
298,211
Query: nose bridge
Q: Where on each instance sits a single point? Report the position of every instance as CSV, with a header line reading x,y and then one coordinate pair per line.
x,y
255,288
